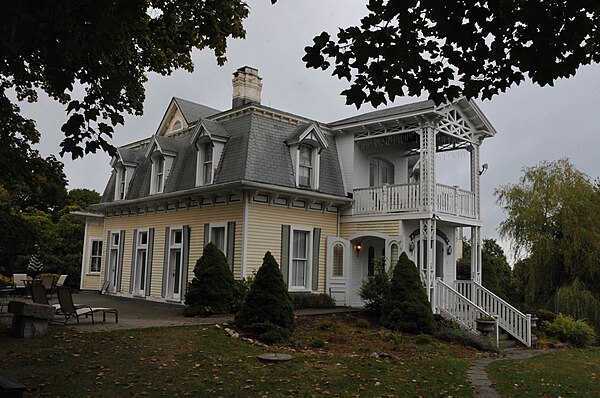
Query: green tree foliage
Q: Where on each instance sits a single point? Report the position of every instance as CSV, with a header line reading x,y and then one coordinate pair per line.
x,y
211,289
83,197
576,300
552,215
454,48
406,307
495,270
267,313
375,288
94,57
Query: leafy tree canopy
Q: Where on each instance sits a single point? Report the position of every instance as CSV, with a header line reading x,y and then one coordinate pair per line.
x,y
93,57
552,216
82,197
453,48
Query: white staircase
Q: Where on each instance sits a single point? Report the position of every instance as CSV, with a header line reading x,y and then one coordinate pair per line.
x,y
469,300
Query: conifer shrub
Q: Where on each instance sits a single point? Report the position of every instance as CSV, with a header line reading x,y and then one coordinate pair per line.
x,y
312,300
375,288
406,307
211,289
267,312
569,330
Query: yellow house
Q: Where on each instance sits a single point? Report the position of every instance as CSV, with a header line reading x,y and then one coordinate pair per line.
x,y
325,198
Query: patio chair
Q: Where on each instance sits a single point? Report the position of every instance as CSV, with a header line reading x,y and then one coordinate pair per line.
x,y
19,282
69,310
38,295
48,282
58,283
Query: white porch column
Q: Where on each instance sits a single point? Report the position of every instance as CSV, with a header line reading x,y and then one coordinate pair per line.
x,y
427,172
475,177
476,254
427,261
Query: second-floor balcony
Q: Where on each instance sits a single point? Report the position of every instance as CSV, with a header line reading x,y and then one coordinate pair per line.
x,y
401,198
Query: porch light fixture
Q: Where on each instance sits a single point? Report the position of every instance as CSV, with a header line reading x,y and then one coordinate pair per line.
x,y
484,168
358,247
449,250
411,247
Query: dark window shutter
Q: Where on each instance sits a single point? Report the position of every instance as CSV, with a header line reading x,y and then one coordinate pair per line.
x,y
149,260
163,291
230,244
121,253
206,234
106,261
285,252
315,258
185,259
133,255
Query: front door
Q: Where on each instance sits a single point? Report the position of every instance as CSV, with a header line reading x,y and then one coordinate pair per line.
x,y
113,262
174,270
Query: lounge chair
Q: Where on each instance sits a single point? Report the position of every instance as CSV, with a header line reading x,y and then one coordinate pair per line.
x,y
69,310
48,282
20,282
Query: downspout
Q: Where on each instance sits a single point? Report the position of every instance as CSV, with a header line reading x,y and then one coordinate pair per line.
x,y
244,234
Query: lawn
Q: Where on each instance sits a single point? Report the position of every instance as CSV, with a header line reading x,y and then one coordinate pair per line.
x,y
333,355
574,373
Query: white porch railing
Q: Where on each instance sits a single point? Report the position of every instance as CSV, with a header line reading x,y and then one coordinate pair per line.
x,y
395,198
458,307
456,201
510,319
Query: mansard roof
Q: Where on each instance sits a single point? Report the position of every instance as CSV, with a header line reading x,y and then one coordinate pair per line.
x,y
192,111
255,151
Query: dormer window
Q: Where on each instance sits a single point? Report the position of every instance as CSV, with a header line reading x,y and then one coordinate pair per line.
x,y
176,125
159,167
305,166
121,183
207,168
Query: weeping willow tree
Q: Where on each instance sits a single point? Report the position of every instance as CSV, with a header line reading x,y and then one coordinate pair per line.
x,y
552,219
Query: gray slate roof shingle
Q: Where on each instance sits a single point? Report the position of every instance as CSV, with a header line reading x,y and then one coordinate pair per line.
x,y
192,111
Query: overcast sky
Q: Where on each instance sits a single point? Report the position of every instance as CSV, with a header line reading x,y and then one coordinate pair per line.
x,y
533,123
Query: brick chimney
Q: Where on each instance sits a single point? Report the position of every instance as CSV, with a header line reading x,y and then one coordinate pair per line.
x,y
246,87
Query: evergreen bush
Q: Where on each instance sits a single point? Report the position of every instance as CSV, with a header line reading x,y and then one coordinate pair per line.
x,y
375,288
569,330
211,290
267,312
312,300
406,307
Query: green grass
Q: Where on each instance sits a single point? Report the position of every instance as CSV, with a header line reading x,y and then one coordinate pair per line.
x,y
574,373
202,361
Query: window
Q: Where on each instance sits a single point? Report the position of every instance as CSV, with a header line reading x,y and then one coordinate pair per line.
x,y
114,260
217,236
95,256
141,263
175,257
380,172
305,168
338,260
122,174
207,167
160,173
176,125
300,260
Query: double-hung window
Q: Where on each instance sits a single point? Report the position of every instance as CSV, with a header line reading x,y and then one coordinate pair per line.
x,y
218,236
207,167
95,256
141,262
160,174
305,166
300,264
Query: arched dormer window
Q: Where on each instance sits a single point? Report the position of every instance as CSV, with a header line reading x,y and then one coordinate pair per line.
x,y
176,126
209,138
161,152
124,164
306,143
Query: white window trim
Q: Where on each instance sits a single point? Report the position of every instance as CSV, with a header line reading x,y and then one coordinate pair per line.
x,y
316,160
117,249
90,248
343,276
139,246
200,164
175,246
309,259
223,225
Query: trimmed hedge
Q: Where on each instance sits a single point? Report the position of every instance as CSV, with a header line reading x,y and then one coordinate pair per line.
x,y
312,300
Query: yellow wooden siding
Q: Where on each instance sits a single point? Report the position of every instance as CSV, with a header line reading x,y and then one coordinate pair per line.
x,y
95,230
390,228
264,233
195,218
